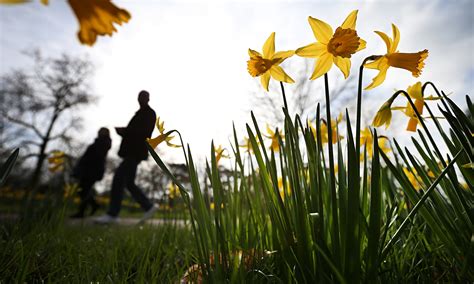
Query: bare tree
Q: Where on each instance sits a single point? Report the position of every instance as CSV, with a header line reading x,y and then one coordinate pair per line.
x,y
39,104
303,98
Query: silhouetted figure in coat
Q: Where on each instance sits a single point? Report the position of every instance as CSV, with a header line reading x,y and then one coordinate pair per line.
x,y
133,150
89,169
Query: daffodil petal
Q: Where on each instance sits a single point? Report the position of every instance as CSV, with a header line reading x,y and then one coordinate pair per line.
x,y
280,56
377,80
269,46
415,91
323,65
350,21
279,74
253,53
374,64
11,2
312,50
322,31
344,65
265,80
386,39
362,44
396,39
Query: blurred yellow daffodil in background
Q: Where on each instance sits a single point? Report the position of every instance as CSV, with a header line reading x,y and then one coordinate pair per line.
x,y
163,137
273,135
173,190
266,65
336,47
248,145
411,175
219,151
96,17
284,190
414,92
367,139
56,161
324,130
413,62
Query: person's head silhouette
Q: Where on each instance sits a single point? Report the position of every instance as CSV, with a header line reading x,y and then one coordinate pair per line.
x,y
103,132
143,98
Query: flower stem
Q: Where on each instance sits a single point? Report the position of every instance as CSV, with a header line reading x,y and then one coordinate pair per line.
x,y
284,97
332,178
359,105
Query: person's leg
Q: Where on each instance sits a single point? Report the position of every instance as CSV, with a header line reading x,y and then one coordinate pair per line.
x,y
135,191
118,184
86,186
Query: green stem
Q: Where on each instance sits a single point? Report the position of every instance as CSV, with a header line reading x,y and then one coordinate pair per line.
x,y
284,97
332,180
359,105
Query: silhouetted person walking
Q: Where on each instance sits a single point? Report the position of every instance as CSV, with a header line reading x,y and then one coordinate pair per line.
x,y
133,150
89,169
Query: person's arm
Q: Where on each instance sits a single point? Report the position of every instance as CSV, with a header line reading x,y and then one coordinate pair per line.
x,y
120,130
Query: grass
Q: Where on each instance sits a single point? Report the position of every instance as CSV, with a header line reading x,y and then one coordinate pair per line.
x,y
46,249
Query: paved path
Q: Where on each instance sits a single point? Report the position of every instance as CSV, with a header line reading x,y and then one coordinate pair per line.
x,y
128,221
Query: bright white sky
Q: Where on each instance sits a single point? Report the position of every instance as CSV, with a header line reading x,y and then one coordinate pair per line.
x,y
191,55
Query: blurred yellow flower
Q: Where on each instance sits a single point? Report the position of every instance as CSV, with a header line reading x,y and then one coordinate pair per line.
x,y
70,189
220,153
324,130
412,178
163,137
273,135
367,139
332,48
410,112
383,115
56,161
267,65
247,145
173,190
97,17
413,62
284,190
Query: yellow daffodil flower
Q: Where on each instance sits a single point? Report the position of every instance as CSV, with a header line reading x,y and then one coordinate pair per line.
x,y
383,115
324,130
415,92
163,137
248,145
367,139
273,135
56,161
266,65
284,190
412,178
413,62
220,153
97,17
173,190
337,47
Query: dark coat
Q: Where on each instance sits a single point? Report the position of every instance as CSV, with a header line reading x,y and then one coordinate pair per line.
x,y
135,134
91,166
